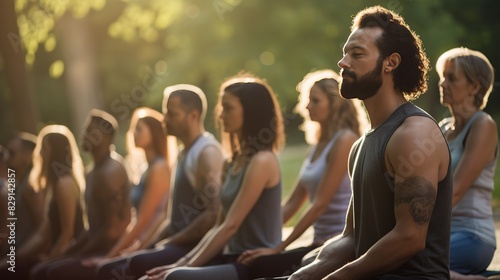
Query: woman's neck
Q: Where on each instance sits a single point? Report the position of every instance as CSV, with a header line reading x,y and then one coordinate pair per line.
x,y
150,155
325,133
461,114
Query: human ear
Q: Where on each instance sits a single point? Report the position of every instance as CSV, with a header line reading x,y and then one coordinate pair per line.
x,y
392,62
194,114
475,87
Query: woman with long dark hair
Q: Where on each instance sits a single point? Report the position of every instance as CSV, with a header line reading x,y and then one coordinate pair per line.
x,y
251,193
331,124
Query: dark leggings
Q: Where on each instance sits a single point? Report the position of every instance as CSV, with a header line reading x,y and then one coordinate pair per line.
x,y
67,268
39,272
385,277
232,271
220,268
117,268
281,264
225,267
136,265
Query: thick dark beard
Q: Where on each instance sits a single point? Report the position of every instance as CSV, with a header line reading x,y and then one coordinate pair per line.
x,y
364,87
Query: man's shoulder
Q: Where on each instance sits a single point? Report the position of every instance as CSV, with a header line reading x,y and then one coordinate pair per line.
x,y
414,123
202,158
205,148
414,110
111,170
418,129
418,143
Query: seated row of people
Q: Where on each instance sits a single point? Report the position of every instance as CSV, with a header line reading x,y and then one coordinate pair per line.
x,y
253,134
225,219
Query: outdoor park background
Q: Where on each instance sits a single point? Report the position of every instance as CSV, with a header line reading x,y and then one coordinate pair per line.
x,y
60,58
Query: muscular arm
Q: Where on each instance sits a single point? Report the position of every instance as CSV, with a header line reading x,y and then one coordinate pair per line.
x,y
479,151
209,181
414,196
112,187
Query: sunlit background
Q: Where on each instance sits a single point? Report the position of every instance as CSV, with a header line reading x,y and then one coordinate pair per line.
x,y
60,58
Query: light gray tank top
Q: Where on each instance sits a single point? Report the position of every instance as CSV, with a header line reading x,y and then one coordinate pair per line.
x,y
332,221
187,201
262,225
473,213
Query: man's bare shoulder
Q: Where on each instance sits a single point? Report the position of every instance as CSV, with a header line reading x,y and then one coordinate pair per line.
x,y
111,173
418,129
417,143
115,165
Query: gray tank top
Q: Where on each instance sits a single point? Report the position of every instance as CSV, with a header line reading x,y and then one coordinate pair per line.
x,y
332,221
187,202
262,225
473,213
373,195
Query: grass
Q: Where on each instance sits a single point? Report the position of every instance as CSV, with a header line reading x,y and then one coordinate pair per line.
x,y
291,159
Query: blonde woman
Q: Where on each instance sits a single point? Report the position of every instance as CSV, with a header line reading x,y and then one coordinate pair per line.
x,y
58,174
466,80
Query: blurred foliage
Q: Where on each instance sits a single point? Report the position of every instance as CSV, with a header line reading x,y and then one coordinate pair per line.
x,y
36,21
145,45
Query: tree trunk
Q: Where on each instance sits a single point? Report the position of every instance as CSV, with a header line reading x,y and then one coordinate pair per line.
x,y
21,93
76,42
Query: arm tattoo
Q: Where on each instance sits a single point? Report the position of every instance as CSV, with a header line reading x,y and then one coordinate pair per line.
x,y
419,193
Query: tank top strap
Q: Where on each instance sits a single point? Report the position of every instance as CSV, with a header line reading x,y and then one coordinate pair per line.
x,y
325,151
330,143
469,123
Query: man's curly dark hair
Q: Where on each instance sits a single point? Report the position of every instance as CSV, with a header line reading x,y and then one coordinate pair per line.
x,y
410,77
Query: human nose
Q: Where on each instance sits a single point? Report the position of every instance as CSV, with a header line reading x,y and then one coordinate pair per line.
x,y
443,83
221,115
308,107
343,62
